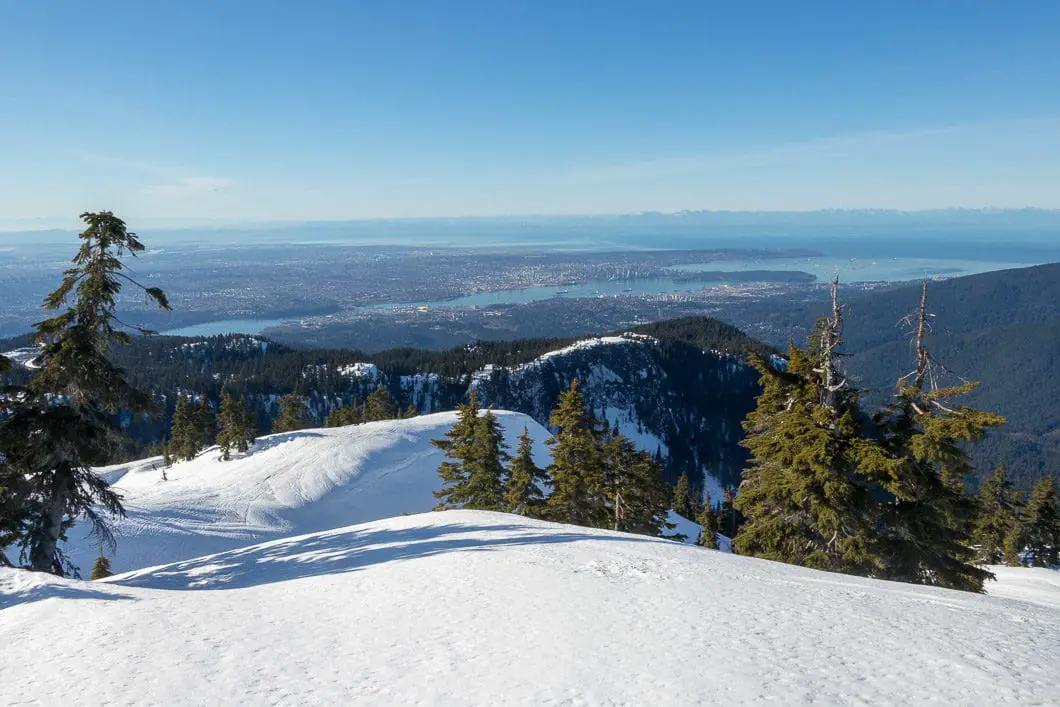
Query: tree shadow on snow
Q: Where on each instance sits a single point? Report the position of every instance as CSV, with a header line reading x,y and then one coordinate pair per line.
x,y
58,590
344,551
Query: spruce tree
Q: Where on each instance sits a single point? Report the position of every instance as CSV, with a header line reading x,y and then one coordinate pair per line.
x,y
636,493
682,503
523,492
67,421
100,568
456,445
802,495
996,517
927,527
187,433
577,469
1041,525
237,427
708,537
207,421
486,467
342,416
293,414
378,406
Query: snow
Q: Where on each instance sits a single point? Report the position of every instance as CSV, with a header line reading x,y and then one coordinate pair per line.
x,y
467,607
628,338
289,484
25,357
359,370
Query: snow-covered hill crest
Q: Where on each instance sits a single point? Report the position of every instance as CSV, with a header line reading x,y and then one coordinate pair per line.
x,y
290,483
467,607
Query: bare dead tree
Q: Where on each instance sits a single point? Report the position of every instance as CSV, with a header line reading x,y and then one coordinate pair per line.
x,y
919,321
831,338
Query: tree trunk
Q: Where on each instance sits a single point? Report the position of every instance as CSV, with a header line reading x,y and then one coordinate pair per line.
x,y
46,538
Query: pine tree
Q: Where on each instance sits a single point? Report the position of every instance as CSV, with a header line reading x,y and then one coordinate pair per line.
x,y
577,470
708,537
342,416
410,412
67,422
187,433
237,427
996,518
523,490
293,414
457,447
207,421
378,406
927,535
637,496
486,466
167,460
802,495
100,568
682,503
1041,525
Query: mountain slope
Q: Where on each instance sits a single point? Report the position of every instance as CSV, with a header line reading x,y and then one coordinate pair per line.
x,y
467,607
289,484
1000,328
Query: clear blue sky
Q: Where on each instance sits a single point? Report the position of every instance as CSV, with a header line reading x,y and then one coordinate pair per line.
x,y
237,111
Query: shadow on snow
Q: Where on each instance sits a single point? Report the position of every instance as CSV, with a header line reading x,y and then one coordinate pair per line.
x,y
343,551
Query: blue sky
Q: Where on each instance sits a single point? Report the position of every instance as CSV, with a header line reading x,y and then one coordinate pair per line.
x,y
262,111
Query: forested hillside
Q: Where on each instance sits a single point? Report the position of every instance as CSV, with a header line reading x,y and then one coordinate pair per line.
x,y
679,388
1000,328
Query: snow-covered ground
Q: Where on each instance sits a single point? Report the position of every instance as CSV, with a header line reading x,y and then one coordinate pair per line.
x,y
466,607
289,484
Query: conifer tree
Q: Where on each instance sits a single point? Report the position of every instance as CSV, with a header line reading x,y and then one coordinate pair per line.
x,y
1040,525
802,495
996,518
66,422
293,414
342,416
237,427
682,503
457,447
637,496
378,406
410,412
707,518
187,433
523,491
207,420
100,568
577,470
486,467
927,535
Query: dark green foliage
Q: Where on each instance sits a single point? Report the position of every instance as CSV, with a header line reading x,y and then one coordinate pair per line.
x,y
682,501
100,568
804,501
66,420
207,420
708,537
486,468
637,496
238,427
187,431
344,415
578,468
473,472
293,415
523,489
378,406
996,518
928,525
1040,526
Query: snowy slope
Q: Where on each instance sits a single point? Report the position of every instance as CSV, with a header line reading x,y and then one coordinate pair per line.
x,y
289,484
467,607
